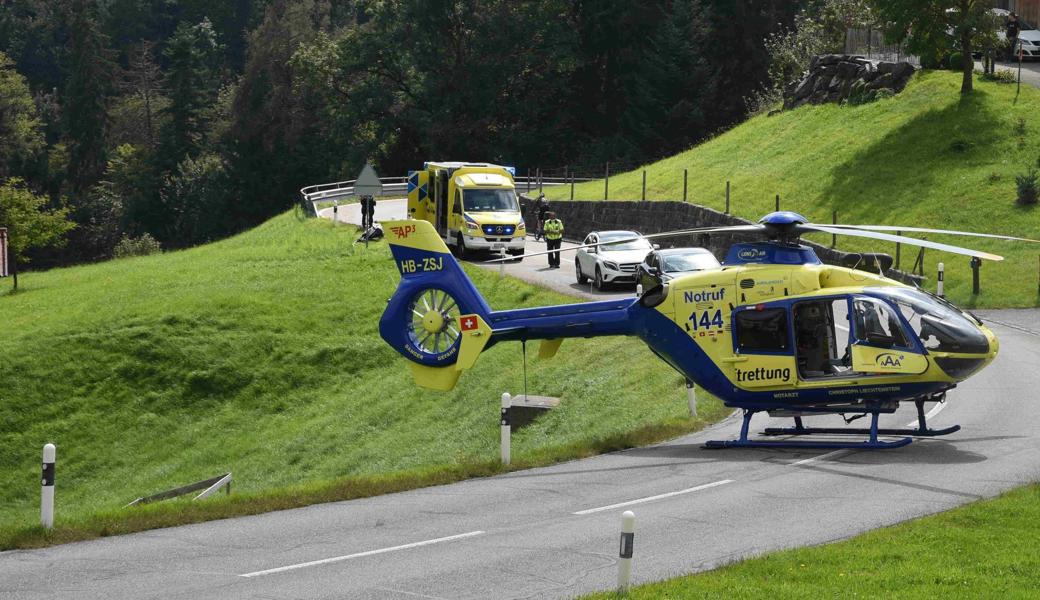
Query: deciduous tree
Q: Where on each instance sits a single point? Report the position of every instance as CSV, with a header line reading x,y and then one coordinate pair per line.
x,y
29,223
20,137
930,27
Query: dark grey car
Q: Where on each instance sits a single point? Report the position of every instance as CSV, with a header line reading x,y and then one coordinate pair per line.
x,y
662,265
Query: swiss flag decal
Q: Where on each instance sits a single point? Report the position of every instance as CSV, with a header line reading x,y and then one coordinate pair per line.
x,y
468,322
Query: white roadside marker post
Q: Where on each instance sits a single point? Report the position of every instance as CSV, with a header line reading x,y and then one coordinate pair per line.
x,y
628,534
47,490
691,397
507,401
939,282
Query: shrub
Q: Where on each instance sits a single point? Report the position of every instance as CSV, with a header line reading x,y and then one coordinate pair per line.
x,y
141,246
928,61
956,61
881,93
763,100
1001,76
1027,188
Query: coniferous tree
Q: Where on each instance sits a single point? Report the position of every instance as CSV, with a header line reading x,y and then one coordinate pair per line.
x,y
192,81
90,72
275,145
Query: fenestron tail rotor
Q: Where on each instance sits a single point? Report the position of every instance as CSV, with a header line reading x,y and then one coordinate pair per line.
x,y
434,325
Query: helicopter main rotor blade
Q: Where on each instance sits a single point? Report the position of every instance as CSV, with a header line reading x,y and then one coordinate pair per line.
x,y
927,230
903,240
676,233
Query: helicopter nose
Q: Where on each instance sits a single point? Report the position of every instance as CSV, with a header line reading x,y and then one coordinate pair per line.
x,y
994,343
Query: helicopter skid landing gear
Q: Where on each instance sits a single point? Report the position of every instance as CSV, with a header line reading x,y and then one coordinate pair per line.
x,y
922,429
872,443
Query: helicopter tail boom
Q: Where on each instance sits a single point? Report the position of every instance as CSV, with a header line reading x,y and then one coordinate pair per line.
x,y
440,322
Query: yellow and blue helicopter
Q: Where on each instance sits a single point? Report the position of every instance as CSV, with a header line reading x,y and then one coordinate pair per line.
x,y
774,330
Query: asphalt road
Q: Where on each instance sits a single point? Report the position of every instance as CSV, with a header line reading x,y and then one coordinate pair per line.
x,y
553,532
534,269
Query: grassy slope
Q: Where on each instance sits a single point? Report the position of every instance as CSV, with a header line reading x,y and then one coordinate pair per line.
x,y
260,355
927,157
984,550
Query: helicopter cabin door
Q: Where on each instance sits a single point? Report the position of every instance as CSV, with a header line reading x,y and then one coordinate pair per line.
x,y
440,198
763,353
881,343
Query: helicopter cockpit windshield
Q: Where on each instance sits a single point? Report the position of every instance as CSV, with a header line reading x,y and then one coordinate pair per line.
x,y
940,327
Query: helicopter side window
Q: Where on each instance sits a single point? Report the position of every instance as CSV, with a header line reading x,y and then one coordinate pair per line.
x,y
877,324
762,330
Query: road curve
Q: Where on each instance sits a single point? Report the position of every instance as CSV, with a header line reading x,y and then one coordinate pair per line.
x,y
553,532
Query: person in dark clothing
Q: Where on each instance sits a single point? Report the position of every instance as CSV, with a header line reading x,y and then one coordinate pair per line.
x,y
543,210
1013,27
368,211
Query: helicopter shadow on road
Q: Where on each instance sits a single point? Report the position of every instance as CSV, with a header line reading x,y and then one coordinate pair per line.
x,y
920,452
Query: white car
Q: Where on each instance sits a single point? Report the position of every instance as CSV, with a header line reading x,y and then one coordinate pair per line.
x,y
606,262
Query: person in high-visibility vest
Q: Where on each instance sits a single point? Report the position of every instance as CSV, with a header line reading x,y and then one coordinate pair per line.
x,y
553,238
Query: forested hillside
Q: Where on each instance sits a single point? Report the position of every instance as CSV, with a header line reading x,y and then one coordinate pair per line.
x,y
186,120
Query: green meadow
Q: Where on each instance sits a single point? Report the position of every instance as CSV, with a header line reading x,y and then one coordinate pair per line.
x,y
260,355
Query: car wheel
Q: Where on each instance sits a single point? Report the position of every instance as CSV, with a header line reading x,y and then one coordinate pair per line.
x,y
517,256
582,279
599,283
460,247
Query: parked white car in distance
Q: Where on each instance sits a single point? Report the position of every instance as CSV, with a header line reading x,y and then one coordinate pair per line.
x,y
605,263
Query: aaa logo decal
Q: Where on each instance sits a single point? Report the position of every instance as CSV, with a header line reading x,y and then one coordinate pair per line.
x,y
403,231
892,361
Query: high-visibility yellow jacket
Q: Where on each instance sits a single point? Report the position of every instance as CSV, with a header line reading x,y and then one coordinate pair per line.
x,y
553,229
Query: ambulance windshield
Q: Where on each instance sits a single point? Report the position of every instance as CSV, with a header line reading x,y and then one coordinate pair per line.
x,y
490,201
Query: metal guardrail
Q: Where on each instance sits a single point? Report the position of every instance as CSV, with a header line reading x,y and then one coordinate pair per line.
x,y
325,192
208,487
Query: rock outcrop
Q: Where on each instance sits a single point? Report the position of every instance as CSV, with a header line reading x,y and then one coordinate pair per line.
x,y
841,77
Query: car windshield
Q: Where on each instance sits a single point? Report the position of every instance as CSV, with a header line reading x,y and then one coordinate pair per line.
x,y
688,262
639,243
489,201
941,326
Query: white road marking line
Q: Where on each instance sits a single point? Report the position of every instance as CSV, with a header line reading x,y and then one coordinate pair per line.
x,y
326,561
652,498
832,454
835,454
